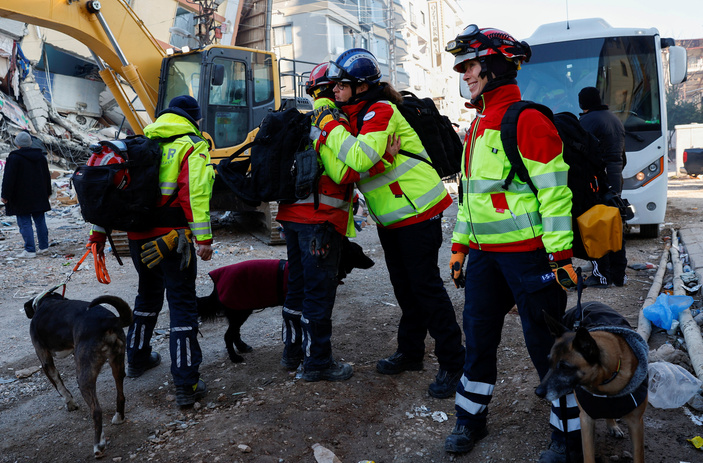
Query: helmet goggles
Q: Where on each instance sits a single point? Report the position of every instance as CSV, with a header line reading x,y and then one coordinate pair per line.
x,y
471,43
461,44
338,74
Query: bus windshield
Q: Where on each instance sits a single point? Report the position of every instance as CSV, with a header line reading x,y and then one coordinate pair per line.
x,y
624,69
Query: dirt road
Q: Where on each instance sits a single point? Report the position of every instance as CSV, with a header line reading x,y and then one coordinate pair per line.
x,y
257,412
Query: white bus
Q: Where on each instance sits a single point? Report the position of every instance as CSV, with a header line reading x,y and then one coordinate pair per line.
x,y
626,66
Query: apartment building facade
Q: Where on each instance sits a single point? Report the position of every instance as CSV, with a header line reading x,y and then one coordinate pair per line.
x,y
406,36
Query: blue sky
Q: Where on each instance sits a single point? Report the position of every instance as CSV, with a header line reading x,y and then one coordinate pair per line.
x,y
680,19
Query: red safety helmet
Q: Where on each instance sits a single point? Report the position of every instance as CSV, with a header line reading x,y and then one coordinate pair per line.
x,y
318,78
475,43
111,152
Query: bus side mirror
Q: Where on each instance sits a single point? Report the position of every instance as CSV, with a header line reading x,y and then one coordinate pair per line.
x,y
218,75
678,62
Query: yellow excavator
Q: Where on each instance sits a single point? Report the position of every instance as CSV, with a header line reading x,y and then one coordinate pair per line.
x,y
236,86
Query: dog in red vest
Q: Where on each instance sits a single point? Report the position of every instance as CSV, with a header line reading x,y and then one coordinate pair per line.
x,y
240,289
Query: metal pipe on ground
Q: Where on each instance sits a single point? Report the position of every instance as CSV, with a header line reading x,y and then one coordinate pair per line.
x,y
688,326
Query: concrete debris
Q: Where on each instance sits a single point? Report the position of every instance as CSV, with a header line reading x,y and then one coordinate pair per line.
x,y
65,137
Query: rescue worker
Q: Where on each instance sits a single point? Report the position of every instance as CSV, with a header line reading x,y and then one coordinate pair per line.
x,y
162,255
314,228
518,244
406,199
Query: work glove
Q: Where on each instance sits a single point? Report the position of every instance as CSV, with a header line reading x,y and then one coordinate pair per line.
x,y
564,272
183,247
320,243
323,116
153,252
456,266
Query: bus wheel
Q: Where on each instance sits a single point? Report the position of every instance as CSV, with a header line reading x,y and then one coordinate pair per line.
x,y
650,230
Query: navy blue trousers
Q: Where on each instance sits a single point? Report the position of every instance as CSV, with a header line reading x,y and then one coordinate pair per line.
x,y
495,282
186,355
411,254
312,289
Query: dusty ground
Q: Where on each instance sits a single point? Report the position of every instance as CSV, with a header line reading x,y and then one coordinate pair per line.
x,y
256,412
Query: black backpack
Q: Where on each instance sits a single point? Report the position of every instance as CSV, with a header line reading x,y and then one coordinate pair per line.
x,y
282,165
436,133
123,193
586,178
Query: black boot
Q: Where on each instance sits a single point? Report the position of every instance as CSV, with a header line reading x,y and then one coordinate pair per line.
x,y
462,439
397,363
445,383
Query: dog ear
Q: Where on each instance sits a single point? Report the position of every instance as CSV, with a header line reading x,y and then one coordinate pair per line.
x,y
29,308
585,345
555,327
352,257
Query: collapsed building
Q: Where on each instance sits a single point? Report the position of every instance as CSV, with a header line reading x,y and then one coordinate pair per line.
x,y
53,93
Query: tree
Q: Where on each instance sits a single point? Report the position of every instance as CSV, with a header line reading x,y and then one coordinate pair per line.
x,y
681,112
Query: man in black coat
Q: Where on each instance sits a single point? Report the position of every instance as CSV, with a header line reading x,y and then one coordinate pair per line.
x,y
601,122
26,187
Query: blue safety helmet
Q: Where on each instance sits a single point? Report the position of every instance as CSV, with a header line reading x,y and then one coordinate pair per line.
x,y
355,66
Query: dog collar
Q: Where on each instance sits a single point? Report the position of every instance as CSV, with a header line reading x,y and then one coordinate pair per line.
x,y
35,302
614,374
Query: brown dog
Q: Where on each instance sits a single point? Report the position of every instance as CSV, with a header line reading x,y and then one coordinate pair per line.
x,y
604,362
93,334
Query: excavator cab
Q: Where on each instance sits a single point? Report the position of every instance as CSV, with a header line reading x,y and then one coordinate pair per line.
x,y
235,88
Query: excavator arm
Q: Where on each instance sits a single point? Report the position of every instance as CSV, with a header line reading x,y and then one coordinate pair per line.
x,y
115,35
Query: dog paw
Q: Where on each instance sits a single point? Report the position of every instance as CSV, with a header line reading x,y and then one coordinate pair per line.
x,y
615,431
117,419
71,405
244,348
99,448
236,358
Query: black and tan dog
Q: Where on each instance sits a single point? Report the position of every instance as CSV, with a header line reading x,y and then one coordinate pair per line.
x,y
240,289
605,363
93,334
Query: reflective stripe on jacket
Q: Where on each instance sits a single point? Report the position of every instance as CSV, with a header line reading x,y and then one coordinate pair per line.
x,y
491,218
334,199
407,190
185,172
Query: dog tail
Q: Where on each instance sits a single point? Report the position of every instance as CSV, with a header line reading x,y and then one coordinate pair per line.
x,y
122,308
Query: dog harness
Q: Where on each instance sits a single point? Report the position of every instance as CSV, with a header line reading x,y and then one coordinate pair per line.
x,y
603,406
596,316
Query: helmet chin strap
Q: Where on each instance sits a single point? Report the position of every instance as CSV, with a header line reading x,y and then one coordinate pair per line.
x,y
484,69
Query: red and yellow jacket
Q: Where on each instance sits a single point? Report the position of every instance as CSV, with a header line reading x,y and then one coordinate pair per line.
x,y
335,191
399,191
514,220
185,172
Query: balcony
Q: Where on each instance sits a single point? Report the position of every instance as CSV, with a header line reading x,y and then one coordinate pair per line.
x,y
401,46
402,79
